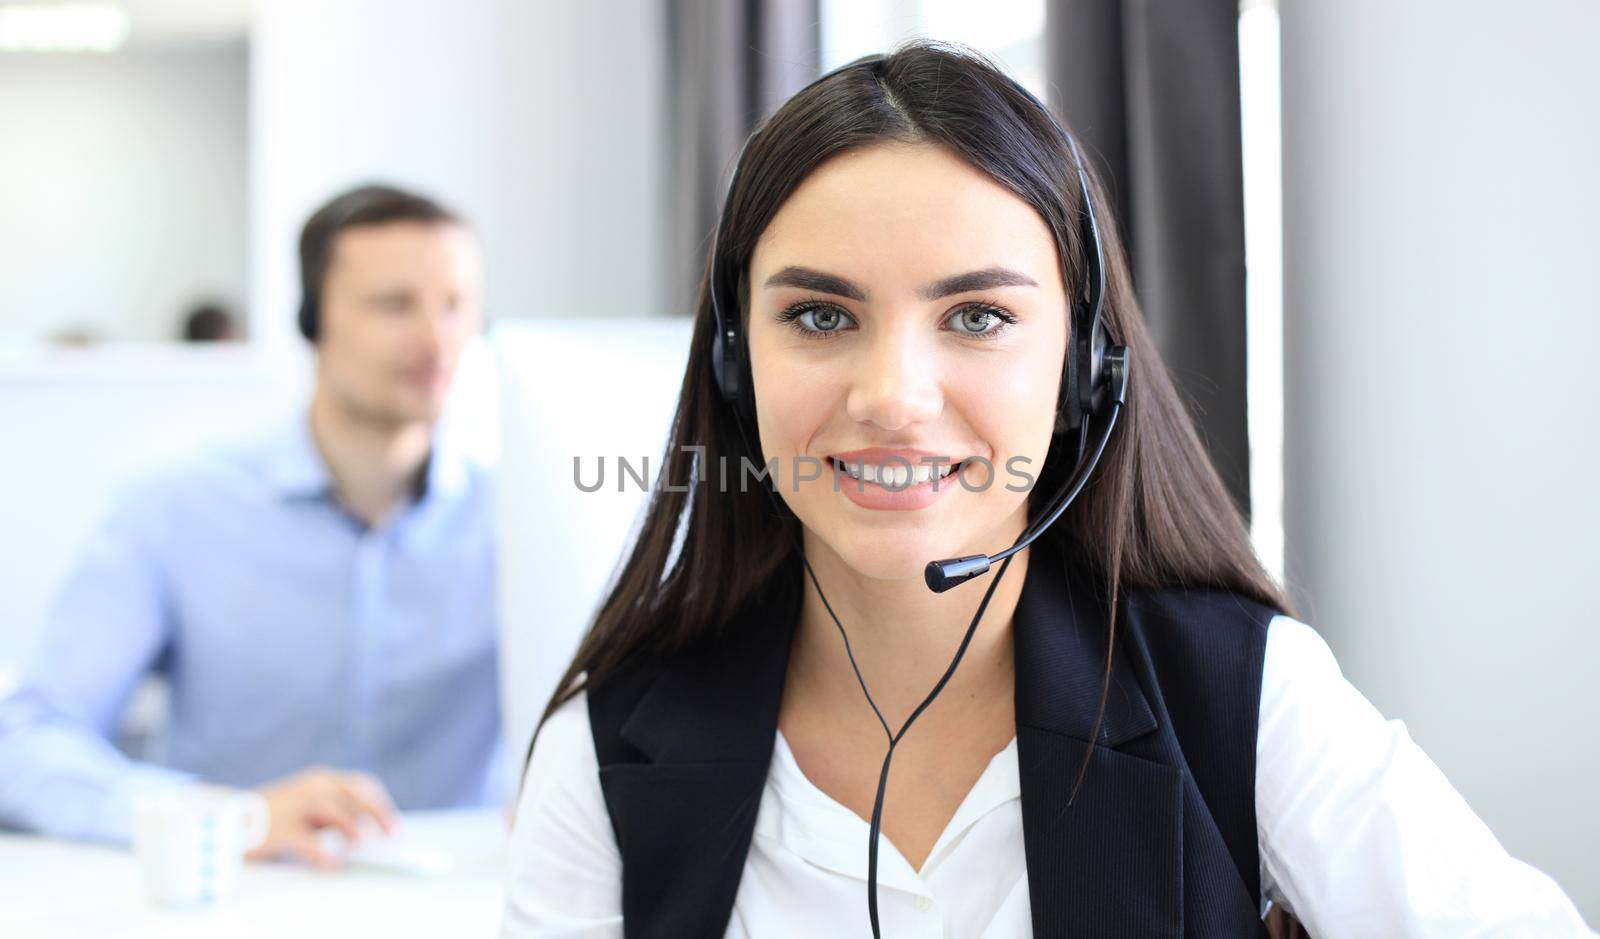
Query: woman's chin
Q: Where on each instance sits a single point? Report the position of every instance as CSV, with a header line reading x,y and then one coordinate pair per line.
x,y
888,553
876,569
890,558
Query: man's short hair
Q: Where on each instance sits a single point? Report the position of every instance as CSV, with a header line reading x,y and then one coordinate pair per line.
x,y
366,205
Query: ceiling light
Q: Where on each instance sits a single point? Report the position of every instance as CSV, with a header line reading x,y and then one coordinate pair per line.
x,y
62,27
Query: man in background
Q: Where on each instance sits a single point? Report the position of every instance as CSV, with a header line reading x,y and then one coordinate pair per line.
x,y
320,600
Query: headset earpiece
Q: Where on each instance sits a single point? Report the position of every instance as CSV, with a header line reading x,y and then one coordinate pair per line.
x,y
728,364
728,348
1099,342
1086,379
308,317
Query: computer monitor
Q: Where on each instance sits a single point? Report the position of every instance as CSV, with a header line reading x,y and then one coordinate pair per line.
x,y
584,390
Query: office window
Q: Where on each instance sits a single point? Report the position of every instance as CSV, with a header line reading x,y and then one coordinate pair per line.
x,y
1010,31
1263,259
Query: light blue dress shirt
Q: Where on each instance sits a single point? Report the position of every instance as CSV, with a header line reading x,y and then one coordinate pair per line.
x,y
291,636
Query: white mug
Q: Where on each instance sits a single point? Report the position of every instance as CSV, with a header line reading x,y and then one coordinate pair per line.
x,y
191,841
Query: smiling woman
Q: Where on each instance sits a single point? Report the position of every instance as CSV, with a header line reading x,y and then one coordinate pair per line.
x,y
1130,736
912,305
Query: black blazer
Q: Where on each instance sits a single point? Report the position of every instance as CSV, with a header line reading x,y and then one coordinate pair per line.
x,y
1161,840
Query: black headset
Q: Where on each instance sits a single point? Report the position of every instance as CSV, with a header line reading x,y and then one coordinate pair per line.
x,y
308,315
345,207
340,211
1095,385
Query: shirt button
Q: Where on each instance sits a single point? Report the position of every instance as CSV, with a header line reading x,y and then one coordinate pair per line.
x,y
923,903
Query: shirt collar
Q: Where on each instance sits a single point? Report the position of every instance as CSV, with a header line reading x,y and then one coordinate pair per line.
x,y
819,829
294,466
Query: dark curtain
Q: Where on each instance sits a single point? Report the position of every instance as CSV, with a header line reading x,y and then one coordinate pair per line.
x,y
733,62
1152,89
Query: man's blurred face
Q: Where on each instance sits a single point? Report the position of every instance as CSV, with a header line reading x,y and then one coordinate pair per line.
x,y
399,301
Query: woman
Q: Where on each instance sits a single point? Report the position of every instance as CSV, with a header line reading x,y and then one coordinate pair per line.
x,y
1117,730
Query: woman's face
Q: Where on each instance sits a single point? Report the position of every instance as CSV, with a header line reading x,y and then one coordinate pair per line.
x,y
906,307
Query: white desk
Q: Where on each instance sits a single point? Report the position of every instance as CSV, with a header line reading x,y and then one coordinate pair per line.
x,y
54,889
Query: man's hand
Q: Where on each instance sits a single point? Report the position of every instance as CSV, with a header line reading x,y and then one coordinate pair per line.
x,y
318,798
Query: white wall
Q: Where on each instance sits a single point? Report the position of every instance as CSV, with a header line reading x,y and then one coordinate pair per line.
x,y
76,427
123,184
1442,323
543,122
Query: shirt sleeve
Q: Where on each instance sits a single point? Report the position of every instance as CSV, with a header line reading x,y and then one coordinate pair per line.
x,y
566,871
60,775
1360,833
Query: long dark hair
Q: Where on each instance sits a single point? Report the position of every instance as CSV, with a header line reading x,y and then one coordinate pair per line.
x,y
1155,514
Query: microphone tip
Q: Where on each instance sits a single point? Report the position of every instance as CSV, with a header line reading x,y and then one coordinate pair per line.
x,y
942,575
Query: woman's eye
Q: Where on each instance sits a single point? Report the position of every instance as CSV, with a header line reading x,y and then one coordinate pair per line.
x,y
980,321
823,321
817,320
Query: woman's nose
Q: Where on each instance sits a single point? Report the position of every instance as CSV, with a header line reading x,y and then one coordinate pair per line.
x,y
898,383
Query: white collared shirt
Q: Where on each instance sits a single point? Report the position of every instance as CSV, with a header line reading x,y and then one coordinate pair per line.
x,y
1360,835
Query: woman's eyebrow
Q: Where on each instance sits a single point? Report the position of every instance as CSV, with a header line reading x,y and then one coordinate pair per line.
x,y
985,279
807,279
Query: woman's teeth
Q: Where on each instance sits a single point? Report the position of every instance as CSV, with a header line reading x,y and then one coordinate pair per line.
x,y
896,476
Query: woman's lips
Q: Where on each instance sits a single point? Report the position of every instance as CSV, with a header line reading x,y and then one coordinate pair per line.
x,y
894,496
